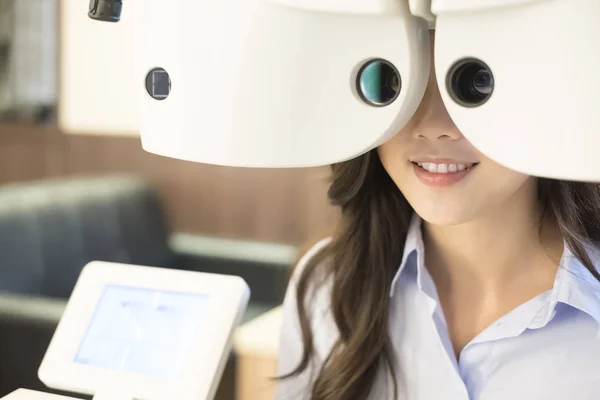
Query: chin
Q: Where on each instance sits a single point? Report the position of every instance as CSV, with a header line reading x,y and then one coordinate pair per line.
x,y
444,215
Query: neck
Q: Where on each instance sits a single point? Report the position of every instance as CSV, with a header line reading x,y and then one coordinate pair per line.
x,y
494,249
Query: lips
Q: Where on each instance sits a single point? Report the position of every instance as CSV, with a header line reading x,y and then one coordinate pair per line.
x,y
442,173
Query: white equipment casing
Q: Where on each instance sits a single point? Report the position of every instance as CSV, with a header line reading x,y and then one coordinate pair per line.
x,y
261,84
272,83
542,118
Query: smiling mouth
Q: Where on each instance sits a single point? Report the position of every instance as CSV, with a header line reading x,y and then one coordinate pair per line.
x,y
444,168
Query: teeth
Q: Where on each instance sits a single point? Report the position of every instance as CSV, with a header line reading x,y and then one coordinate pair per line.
x,y
444,168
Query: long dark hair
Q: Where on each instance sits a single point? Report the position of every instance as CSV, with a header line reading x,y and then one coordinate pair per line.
x,y
364,254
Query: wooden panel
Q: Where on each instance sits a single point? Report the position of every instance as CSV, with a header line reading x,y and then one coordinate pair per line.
x,y
21,161
283,205
27,153
256,344
263,204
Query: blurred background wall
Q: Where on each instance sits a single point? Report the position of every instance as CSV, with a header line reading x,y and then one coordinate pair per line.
x,y
287,206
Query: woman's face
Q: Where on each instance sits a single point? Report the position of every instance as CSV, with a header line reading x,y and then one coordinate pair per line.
x,y
446,180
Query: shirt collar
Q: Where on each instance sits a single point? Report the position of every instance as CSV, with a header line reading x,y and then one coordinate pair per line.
x,y
413,243
574,284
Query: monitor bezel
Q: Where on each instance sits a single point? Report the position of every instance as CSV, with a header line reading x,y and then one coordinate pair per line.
x,y
228,298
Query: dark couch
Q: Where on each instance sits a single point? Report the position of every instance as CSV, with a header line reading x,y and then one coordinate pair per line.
x,y
49,230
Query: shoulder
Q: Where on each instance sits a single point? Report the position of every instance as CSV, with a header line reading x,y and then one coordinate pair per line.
x,y
578,268
292,339
580,283
317,299
317,286
308,256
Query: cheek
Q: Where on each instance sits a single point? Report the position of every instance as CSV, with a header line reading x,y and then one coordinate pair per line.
x,y
401,170
500,184
502,177
393,155
397,166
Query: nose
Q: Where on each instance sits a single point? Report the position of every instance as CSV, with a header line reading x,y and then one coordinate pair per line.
x,y
439,132
432,121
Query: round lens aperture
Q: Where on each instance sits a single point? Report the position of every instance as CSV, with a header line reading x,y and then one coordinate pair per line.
x,y
470,83
379,83
158,84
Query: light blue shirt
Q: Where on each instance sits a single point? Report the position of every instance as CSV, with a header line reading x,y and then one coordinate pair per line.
x,y
545,349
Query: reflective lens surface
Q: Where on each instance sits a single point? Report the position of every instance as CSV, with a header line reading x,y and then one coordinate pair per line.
x,y
379,83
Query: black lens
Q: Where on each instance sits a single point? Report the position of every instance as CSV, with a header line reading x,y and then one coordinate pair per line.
x,y
483,82
470,83
379,83
106,10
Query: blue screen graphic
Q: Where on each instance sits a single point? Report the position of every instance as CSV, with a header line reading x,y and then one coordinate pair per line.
x,y
143,331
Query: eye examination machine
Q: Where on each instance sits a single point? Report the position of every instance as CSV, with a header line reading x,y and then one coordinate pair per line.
x,y
304,83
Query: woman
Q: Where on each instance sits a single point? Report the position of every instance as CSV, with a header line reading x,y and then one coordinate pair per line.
x,y
448,277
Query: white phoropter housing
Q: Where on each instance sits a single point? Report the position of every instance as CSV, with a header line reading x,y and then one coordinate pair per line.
x,y
133,332
295,83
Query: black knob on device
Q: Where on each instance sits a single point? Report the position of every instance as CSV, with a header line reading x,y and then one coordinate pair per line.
x,y
105,10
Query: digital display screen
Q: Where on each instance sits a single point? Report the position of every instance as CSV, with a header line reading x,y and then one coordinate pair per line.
x,y
143,331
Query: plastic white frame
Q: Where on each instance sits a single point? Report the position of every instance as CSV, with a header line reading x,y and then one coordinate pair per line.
x,y
229,297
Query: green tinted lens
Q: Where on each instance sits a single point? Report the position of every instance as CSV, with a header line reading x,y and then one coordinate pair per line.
x,y
379,83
